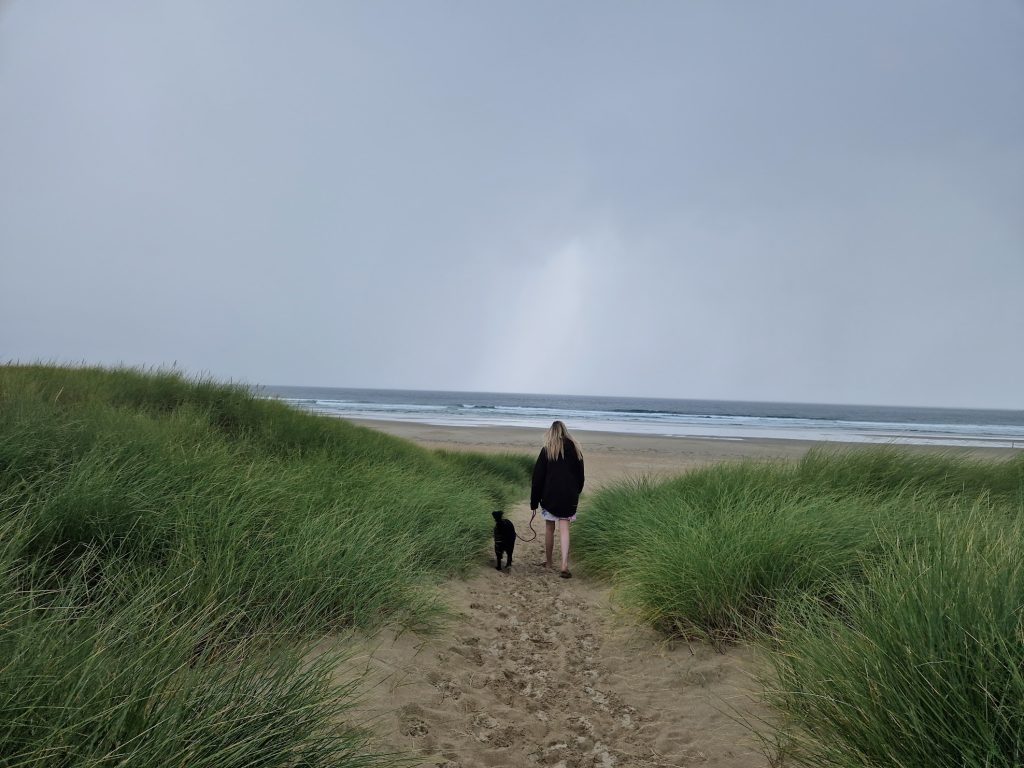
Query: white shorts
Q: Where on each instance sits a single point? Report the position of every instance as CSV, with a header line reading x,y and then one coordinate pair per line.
x,y
551,518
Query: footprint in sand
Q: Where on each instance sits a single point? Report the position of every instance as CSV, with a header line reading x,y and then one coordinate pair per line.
x,y
411,721
470,654
447,687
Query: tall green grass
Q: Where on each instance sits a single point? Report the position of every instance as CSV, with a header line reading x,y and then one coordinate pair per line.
x,y
169,546
885,587
920,664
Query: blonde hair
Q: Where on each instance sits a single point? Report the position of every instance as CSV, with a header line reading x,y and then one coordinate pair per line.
x,y
554,441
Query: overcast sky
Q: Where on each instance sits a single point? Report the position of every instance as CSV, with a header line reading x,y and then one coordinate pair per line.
x,y
792,201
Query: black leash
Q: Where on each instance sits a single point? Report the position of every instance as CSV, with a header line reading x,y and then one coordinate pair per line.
x,y
531,528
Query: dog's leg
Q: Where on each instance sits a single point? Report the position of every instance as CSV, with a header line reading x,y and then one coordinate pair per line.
x,y
511,546
497,555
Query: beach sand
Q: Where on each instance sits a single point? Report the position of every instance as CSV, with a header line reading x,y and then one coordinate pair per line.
x,y
609,456
612,456
535,670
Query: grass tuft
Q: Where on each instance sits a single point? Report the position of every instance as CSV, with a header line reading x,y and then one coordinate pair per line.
x,y
169,547
886,588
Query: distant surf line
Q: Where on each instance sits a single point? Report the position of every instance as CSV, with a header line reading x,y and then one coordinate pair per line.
x,y
724,420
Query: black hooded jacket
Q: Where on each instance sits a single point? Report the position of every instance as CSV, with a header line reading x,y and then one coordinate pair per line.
x,y
557,484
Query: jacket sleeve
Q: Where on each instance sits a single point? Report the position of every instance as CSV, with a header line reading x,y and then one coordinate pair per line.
x,y
540,471
581,476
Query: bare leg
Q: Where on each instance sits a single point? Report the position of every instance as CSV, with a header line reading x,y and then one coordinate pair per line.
x,y
563,536
549,541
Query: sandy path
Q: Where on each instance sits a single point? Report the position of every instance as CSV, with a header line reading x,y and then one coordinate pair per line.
x,y
536,670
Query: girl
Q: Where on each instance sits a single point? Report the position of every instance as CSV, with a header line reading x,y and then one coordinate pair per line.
x,y
557,483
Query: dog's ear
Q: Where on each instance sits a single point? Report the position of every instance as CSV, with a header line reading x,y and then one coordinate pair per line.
x,y
496,514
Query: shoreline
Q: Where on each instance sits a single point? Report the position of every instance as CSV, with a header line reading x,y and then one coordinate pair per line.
x,y
612,456
695,419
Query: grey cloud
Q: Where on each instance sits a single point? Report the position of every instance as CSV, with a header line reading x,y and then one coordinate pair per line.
x,y
788,202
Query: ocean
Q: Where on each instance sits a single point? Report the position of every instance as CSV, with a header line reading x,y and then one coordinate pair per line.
x,y
724,420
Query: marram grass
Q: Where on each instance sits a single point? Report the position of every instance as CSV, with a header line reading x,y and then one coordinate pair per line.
x,y
886,588
921,664
169,547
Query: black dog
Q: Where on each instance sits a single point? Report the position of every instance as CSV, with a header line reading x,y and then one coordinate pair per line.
x,y
504,538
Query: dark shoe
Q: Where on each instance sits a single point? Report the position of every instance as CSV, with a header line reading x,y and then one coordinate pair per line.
x,y
565,575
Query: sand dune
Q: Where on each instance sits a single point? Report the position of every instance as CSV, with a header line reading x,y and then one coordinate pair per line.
x,y
535,670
